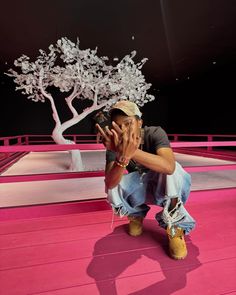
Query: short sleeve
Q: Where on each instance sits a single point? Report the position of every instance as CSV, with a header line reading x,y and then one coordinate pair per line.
x,y
160,138
154,138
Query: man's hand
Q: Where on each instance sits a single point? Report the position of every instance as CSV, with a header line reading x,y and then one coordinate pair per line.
x,y
123,140
107,137
126,139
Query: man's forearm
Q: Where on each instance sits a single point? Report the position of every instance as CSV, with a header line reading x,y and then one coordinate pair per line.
x,y
156,163
113,175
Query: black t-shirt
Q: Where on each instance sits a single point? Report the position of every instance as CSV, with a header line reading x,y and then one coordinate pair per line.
x,y
154,138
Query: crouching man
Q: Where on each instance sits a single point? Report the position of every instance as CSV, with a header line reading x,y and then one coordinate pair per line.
x,y
154,176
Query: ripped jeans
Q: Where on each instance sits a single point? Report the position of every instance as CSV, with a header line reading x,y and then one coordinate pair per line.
x,y
131,196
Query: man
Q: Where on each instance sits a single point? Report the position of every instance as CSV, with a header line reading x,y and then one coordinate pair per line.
x,y
154,176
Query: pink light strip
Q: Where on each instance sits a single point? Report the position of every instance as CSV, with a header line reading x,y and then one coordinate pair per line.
x,y
203,143
66,147
94,135
201,135
210,168
51,147
49,176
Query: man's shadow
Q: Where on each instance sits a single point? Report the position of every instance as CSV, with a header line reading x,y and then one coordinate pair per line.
x,y
114,253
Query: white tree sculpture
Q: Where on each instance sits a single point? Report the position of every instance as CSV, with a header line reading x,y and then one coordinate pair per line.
x,y
81,74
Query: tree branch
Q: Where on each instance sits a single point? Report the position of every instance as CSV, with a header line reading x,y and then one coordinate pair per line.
x,y
48,96
95,100
81,116
70,98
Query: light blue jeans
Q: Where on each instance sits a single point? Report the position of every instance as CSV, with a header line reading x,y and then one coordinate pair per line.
x,y
135,191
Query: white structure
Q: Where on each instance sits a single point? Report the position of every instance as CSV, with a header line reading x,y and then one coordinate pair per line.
x,y
81,74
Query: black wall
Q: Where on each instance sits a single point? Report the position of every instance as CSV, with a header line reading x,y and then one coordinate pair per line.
x,y
191,47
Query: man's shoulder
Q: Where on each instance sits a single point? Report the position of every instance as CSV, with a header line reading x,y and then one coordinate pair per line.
x,y
155,137
153,130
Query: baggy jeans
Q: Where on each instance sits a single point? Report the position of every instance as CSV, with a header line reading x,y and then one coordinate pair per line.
x,y
135,191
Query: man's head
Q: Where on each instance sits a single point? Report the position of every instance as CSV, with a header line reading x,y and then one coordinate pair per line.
x,y
129,108
123,112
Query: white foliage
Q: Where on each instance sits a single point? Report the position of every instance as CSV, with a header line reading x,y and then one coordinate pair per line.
x,y
69,68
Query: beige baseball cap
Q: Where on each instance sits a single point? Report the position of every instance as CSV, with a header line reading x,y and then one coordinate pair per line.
x,y
127,107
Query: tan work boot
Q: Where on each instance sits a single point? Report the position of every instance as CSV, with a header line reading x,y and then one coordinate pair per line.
x,y
135,225
177,246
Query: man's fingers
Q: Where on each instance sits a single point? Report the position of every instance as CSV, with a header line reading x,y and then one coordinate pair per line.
x,y
138,141
131,129
100,129
108,131
115,137
117,128
103,134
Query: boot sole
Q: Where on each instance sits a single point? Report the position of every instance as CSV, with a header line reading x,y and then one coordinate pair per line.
x,y
135,235
178,257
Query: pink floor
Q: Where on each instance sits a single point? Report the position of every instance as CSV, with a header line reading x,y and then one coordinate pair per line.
x,y
72,249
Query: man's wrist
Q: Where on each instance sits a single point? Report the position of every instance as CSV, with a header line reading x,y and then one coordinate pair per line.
x,y
123,160
121,165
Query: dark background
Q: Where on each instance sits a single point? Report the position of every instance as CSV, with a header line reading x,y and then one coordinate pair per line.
x,y
190,44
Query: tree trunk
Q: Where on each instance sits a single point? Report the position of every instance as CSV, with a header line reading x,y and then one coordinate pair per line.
x,y
76,160
57,134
